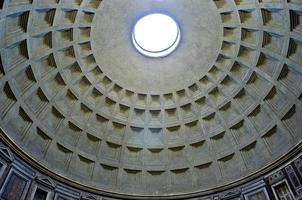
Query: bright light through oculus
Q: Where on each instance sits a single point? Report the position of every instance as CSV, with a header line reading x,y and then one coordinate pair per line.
x,y
156,35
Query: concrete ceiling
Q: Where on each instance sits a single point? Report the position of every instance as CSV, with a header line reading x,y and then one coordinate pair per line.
x,y
78,98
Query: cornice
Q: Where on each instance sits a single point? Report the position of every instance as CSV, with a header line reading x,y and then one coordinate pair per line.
x,y
257,174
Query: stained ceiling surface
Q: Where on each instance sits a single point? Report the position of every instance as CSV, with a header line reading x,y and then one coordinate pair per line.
x,y
76,96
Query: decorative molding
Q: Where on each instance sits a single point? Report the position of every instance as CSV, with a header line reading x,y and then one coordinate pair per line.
x,y
274,165
6,154
45,181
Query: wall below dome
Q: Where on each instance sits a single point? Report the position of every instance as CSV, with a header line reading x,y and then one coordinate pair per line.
x,y
20,180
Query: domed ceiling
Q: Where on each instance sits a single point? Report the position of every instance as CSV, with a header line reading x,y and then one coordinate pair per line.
x,y
80,100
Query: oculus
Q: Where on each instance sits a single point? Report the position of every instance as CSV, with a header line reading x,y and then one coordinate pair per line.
x,y
156,35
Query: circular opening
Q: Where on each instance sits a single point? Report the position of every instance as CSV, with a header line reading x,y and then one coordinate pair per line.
x,y
156,35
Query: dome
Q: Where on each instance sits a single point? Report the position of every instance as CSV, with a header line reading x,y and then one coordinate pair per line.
x,y
85,106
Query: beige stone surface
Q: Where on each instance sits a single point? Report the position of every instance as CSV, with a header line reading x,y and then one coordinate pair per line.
x,y
125,66
78,97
